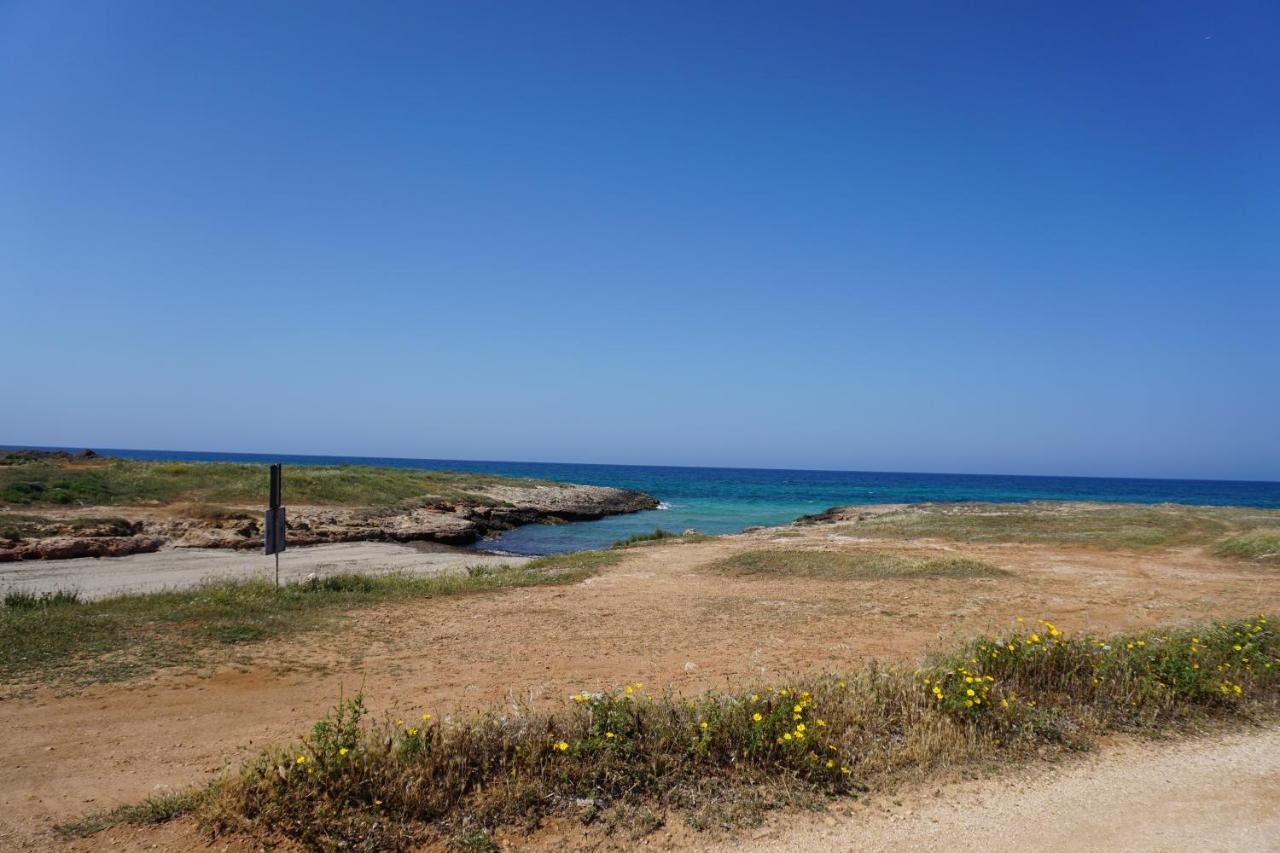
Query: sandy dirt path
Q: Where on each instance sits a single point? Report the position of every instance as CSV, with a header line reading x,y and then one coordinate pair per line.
x,y
1214,793
656,617
172,568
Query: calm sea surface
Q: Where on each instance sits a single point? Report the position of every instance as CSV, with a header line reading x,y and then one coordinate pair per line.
x,y
725,500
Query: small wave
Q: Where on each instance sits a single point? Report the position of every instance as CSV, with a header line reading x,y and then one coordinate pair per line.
x,y
663,505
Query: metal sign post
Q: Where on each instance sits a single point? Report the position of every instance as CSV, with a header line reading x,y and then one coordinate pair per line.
x,y
274,523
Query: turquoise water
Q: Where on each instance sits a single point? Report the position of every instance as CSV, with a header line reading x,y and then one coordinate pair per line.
x,y
725,500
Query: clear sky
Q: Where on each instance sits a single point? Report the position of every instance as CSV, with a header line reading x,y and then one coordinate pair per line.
x,y
1010,238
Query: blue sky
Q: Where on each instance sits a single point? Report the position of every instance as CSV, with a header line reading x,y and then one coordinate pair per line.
x,y
1008,237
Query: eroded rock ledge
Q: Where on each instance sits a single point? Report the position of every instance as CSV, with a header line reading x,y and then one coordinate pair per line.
x,y
133,530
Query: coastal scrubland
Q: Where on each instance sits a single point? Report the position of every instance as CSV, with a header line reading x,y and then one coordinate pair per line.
x,y
211,487
1256,532
621,757
1138,636
55,505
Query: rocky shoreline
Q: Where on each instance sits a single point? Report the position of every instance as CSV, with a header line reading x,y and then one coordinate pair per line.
x,y
116,531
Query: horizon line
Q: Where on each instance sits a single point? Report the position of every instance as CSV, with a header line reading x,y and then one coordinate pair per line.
x,y
108,450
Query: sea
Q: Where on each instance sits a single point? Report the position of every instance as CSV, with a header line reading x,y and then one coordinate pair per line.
x,y
727,500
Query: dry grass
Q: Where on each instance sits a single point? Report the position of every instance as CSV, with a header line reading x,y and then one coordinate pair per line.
x,y
1261,545
852,565
107,481
627,756
1123,526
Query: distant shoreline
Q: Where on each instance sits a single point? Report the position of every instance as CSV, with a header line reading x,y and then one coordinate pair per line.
x,y
59,505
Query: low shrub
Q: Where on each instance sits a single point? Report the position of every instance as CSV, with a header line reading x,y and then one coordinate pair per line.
x,y
725,757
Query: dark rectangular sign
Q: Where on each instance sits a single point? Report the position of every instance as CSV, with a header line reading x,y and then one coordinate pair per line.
x,y
275,487
274,527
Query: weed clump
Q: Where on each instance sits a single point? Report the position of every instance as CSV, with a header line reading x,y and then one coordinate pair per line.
x,y
23,600
637,538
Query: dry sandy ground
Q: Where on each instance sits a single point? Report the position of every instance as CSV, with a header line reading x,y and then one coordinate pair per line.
x,y
1211,793
656,617
171,568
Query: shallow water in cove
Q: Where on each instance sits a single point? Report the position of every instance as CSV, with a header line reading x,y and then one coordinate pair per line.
x,y
725,500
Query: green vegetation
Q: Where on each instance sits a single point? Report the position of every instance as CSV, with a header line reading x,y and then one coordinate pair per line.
x,y
1261,545
106,481
153,810
657,535
1126,526
18,599
57,637
852,565
622,758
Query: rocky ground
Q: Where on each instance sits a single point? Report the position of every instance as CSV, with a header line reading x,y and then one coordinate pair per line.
x,y
120,530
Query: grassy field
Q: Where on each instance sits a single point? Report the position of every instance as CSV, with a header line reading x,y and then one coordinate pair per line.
x,y
57,638
1117,526
626,758
852,565
118,482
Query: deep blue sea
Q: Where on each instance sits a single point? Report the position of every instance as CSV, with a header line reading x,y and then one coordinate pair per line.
x,y
725,500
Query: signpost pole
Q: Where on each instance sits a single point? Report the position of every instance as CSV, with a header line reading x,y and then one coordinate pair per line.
x,y
273,529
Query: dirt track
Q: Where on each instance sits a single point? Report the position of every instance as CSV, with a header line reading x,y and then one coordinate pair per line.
x,y
1210,793
656,617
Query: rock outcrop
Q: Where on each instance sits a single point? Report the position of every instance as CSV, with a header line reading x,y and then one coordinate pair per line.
x,y
138,530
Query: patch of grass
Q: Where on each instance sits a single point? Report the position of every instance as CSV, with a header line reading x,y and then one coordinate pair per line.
x,y
1124,526
639,538
18,599
106,481
153,810
1261,545
724,758
65,640
584,563
851,565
